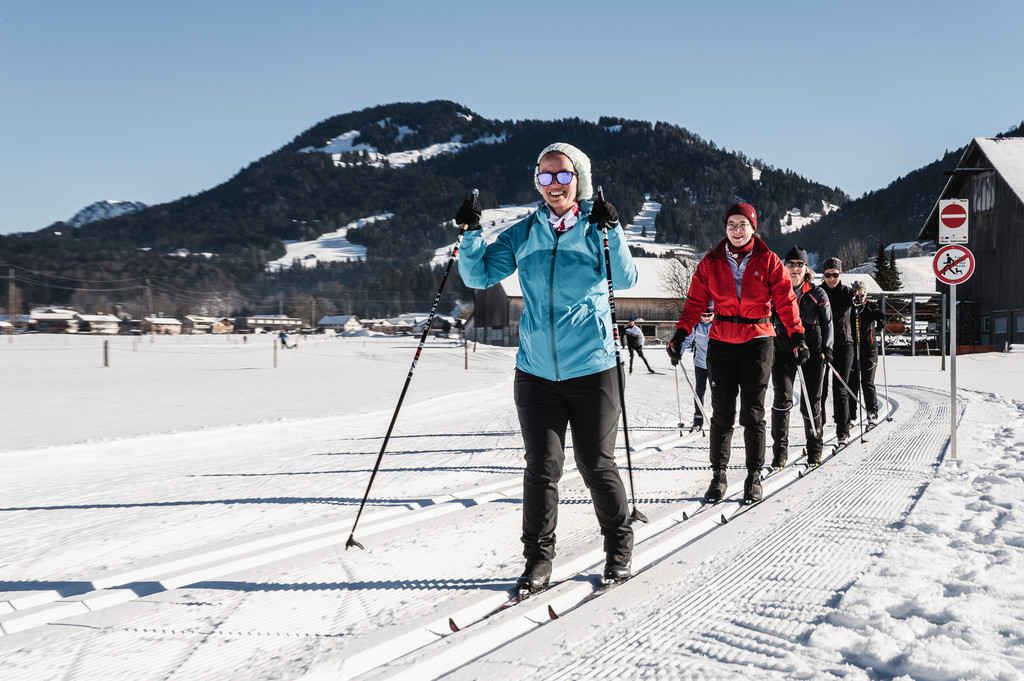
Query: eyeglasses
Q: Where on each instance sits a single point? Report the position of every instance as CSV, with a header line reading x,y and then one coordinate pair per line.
x,y
794,264
832,275
562,176
737,226
860,297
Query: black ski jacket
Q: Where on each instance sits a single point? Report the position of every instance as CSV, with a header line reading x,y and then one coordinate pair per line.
x,y
841,299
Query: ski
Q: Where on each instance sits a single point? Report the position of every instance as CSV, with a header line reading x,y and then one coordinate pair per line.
x,y
515,598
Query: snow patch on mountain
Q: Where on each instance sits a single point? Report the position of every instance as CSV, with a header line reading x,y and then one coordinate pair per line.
x,y
795,220
331,247
345,143
104,210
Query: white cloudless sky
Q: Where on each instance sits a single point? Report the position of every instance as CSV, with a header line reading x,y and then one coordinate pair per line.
x,y
150,102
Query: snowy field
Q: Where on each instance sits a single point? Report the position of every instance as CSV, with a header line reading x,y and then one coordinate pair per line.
x,y
183,513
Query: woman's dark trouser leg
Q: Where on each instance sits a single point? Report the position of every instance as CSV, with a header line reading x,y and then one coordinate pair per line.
x,y
782,383
725,388
757,368
842,356
594,413
543,418
701,378
814,372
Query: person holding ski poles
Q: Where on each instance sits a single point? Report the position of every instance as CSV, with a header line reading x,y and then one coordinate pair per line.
x,y
866,320
743,279
840,298
816,317
698,340
633,338
566,362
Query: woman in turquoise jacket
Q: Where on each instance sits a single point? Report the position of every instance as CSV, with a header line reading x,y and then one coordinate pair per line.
x,y
566,363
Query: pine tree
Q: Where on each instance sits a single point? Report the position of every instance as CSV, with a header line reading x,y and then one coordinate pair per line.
x,y
894,273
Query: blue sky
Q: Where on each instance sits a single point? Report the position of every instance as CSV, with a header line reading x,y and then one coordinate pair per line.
x,y
154,101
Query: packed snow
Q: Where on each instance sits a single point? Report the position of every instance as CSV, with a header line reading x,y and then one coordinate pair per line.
x,y
330,247
182,513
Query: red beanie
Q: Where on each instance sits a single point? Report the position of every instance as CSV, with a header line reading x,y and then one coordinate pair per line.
x,y
744,209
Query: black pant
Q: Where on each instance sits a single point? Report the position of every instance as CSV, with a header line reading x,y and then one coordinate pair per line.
x,y
864,374
741,369
701,377
783,376
640,351
842,360
590,404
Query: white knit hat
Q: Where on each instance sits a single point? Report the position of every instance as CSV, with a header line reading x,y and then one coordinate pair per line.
x,y
579,160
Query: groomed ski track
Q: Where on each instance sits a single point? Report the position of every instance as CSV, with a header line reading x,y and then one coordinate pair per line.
x,y
245,598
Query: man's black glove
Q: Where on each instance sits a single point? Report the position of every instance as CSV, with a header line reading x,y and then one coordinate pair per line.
x,y
469,215
827,354
603,213
675,346
801,353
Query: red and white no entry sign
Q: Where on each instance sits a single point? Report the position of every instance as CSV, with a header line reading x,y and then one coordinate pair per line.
x,y
953,264
953,221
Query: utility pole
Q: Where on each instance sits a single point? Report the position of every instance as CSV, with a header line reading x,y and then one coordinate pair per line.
x,y
11,308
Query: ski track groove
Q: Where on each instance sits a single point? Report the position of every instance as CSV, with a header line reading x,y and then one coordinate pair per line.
x,y
845,526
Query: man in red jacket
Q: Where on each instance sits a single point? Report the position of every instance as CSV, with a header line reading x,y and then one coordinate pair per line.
x,y
744,279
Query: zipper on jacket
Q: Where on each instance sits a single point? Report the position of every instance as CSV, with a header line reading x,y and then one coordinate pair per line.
x,y
551,307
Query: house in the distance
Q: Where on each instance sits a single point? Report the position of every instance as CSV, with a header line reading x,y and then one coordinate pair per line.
x,y
99,323
161,326
196,324
990,175
267,323
54,320
340,323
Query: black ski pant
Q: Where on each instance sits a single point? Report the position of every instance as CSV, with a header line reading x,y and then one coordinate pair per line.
x,y
639,351
864,374
590,405
743,370
842,360
783,376
701,379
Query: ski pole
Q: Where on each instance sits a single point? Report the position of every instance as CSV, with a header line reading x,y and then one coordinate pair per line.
x,y
700,406
636,514
836,372
423,339
807,402
679,405
885,379
861,403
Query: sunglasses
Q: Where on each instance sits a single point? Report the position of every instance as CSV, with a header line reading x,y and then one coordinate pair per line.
x,y
562,176
860,297
794,264
831,276
707,314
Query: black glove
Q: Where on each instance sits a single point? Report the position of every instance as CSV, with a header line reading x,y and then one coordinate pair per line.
x,y
827,354
469,215
801,353
675,346
603,213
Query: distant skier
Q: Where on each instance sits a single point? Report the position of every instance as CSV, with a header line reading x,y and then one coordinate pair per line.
x,y
698,340
744,279
816,317
866,320
284,340
566,363
633,339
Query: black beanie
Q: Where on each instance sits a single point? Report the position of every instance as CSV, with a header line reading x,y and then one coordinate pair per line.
x,y
796,253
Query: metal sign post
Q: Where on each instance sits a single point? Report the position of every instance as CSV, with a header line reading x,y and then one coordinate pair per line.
x,y
953,265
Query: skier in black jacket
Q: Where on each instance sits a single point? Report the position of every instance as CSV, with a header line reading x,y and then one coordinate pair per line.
x,y
866,319
633,338
840,297
816,316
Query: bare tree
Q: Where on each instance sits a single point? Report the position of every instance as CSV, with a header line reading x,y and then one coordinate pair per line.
x,y
676,282
853,253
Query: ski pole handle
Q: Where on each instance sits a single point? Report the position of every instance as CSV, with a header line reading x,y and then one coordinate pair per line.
x,y
476,193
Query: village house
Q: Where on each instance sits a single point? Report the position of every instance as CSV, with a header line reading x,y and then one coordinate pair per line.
x,y
161,326
340,323
54,320
198,324
267,323
100,323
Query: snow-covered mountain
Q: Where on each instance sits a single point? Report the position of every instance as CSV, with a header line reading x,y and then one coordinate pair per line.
x,y
102,210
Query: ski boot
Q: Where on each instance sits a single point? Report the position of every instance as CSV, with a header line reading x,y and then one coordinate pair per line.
x,y
779,461
616,571
813,459
752,492
535,577
696,428
717,488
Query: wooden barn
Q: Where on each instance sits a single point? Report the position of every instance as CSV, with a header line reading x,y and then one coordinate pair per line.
x,y
990,175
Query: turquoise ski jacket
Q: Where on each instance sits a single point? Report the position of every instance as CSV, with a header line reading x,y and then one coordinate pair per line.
x,y
566,326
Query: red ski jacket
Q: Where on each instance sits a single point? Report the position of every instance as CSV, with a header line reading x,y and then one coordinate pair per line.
x,y
738,320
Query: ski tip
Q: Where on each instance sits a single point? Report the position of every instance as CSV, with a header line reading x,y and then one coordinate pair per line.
x,y
685,517
452,625
551,613
724,519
